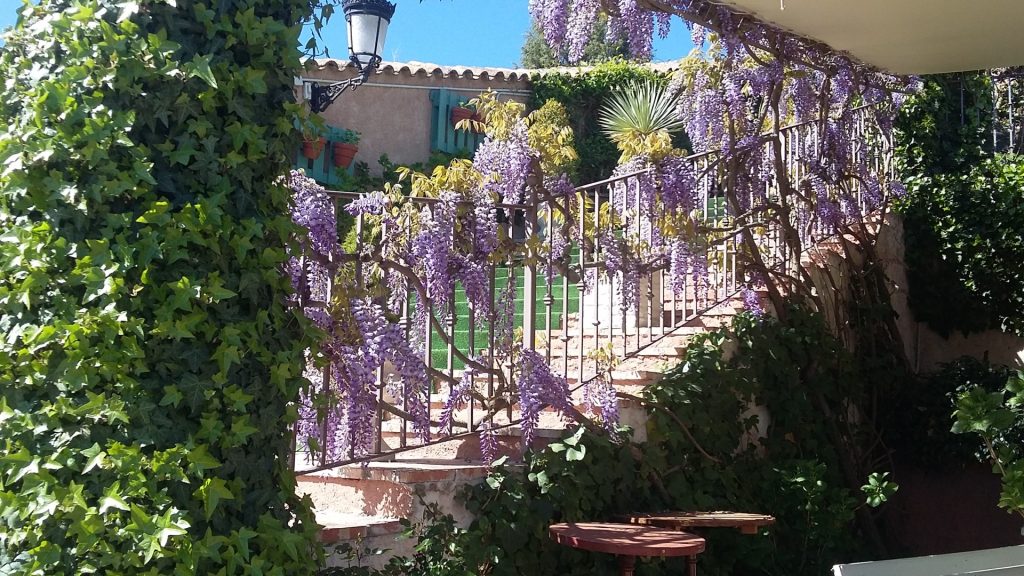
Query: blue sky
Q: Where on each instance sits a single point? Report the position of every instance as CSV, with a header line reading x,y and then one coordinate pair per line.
x,y
451,32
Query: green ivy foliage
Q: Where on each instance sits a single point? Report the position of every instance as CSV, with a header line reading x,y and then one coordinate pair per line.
x,y
148,360
963,216
583,94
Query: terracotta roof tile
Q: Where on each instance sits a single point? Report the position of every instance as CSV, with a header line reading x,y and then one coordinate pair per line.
x,y
469,72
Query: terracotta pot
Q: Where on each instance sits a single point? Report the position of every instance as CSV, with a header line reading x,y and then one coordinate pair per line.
x,y
461,113
344,153
313,148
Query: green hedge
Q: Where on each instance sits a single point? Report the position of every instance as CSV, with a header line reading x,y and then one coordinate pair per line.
x,y
147,358
965,247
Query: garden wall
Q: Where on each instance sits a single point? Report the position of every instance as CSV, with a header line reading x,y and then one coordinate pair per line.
x,y
946,511
949,510
925,348
394,111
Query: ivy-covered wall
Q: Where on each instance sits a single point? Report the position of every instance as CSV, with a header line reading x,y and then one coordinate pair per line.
x,y
583,94
147,358
963,217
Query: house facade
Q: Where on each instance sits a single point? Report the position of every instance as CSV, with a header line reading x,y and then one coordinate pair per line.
x,y
404,110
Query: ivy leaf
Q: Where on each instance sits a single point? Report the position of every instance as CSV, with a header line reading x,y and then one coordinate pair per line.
x,y
96,457
575,454
168,528
200,458
5,411
212,492
241,429
199,67
244,535
112,499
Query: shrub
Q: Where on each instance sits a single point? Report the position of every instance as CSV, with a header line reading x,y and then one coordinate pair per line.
x,y
583,94
965,247
918,422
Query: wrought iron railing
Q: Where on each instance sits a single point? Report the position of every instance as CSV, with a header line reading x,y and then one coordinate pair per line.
x,y
1008,111
574,316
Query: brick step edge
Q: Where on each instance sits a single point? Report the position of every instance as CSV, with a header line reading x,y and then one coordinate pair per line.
x,y
403,472
336,528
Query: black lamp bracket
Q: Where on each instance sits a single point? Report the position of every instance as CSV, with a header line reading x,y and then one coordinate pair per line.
x,y
321,96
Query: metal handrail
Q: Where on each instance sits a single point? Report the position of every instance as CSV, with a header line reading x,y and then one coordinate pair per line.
x,y
567,321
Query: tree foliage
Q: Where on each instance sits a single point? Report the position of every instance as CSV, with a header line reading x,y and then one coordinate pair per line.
x,y
147,357
536,53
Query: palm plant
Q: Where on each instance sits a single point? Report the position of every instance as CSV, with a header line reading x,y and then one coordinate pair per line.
x,y
640,119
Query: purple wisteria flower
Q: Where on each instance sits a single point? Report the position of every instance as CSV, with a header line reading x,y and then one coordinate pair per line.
x,y
369,203
432,247
538,387
505,163
488,443
599,397
752,302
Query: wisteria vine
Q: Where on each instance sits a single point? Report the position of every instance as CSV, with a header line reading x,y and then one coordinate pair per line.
x,y
446,233
779,127
790,129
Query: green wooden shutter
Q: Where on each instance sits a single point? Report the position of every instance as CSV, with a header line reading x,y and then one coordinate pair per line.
x,y
443,136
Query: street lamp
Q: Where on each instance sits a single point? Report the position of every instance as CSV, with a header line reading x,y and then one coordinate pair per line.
x,y
367,22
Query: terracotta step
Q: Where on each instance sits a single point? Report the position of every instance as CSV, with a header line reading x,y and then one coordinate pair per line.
x,y
369,498
337,527
409,472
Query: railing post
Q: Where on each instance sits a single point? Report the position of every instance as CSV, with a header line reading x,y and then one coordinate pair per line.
x,y
530,276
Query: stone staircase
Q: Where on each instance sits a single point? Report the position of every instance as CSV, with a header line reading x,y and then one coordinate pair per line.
x,y
362,504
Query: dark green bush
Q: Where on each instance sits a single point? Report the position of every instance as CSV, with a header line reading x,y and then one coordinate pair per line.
x,y
963,214
693,460
147,358
965,246
918,419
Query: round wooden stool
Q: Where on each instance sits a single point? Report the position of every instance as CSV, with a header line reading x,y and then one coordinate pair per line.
x,y
629,541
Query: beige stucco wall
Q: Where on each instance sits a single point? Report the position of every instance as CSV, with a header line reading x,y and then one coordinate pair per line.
x,y
393,109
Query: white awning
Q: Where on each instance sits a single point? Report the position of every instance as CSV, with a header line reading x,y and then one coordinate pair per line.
x,y
906,36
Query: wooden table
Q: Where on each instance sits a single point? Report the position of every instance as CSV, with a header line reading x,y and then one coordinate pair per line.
x,y
629,541
742,521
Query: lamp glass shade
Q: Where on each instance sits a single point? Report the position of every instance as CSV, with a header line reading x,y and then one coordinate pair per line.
x,y
367,29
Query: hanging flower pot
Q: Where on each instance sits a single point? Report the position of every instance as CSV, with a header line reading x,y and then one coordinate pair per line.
x,y
460,113
313,148
344,152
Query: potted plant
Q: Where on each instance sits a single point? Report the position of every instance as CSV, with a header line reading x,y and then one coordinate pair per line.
x,y
462,112
312,147
345,148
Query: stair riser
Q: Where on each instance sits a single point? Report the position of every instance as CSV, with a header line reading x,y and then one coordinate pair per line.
x,y
366,497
